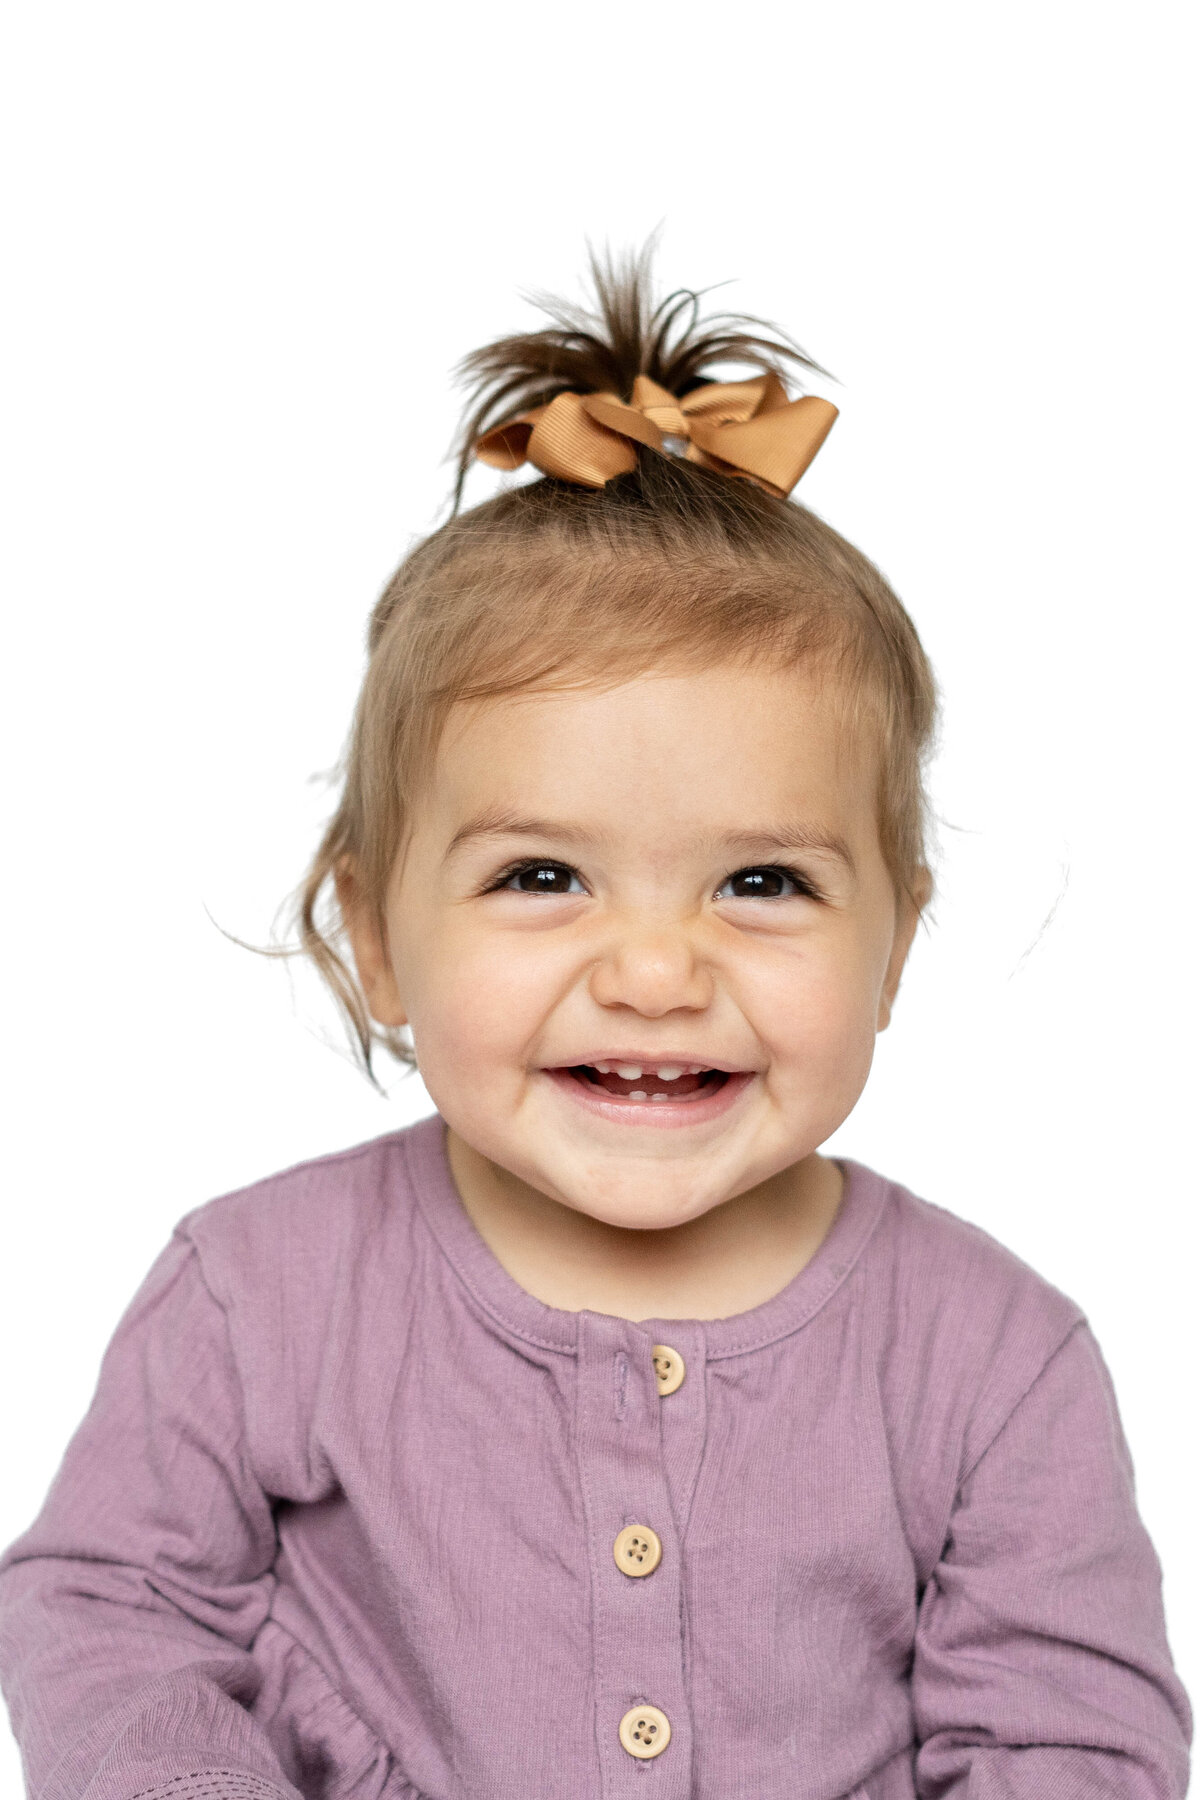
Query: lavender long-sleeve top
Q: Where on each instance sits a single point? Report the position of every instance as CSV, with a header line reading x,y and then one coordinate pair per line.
x,y
353,1516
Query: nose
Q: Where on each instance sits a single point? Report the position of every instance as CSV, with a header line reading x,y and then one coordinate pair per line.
x,y
653,968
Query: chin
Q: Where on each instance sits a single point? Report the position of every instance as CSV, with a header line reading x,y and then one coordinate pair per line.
x,y
642,1205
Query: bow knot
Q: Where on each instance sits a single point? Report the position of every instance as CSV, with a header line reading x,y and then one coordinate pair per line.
x,y
744,428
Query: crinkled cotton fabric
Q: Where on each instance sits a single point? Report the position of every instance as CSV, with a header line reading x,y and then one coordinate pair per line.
x,y
340,1522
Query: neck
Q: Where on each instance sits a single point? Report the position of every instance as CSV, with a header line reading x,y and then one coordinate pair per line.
x,y
730,1259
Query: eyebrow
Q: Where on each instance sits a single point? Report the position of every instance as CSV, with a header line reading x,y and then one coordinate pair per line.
x,y
795,834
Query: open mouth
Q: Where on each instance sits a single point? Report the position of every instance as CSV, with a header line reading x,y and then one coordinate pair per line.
x,y
676,1095
622,1081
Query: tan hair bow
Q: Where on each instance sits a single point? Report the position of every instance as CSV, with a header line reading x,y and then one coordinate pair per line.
x,y
747,428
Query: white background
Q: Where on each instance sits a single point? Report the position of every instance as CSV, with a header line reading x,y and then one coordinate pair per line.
x,y
251,240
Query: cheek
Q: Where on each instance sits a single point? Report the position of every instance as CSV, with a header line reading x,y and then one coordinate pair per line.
x,y
819,1008
822,1049
472,1010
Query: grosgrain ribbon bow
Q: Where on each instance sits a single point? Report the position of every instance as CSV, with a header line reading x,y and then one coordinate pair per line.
x,y
747,428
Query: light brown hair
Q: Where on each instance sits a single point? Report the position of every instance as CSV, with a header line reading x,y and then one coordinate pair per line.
x,y
549,585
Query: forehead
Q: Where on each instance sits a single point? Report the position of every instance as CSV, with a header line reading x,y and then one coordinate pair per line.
x,y
675,752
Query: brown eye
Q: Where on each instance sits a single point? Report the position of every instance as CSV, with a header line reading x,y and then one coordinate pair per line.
x,y
764,884
542,878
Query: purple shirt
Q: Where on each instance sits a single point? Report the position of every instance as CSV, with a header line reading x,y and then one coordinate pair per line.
x,y
345,1517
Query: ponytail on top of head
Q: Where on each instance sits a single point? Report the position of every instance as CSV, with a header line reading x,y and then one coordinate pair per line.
x,y
669,565
605,350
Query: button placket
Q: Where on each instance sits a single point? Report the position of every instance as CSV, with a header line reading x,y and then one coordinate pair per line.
x,y
679,1353
643,1720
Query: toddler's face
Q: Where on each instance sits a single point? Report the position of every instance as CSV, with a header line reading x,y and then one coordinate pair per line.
x,y
644,938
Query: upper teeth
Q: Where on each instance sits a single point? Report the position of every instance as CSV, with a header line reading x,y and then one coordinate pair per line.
x,y
635,1071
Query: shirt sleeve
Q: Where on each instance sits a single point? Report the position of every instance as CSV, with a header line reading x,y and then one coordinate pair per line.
x,y
129,1607
1041,1666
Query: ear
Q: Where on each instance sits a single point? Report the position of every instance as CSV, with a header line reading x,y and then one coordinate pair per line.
x,y
908,914
368,941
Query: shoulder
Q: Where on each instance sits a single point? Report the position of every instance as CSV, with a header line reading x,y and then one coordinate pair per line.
x,y
976,1320
969,1276
315,1270
311,1216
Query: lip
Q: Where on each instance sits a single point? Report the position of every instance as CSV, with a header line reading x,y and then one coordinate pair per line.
x,y
650,1059
658,1114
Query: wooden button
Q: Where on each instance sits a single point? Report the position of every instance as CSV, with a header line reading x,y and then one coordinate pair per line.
x,y
644,1731
638,1550
669,1367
